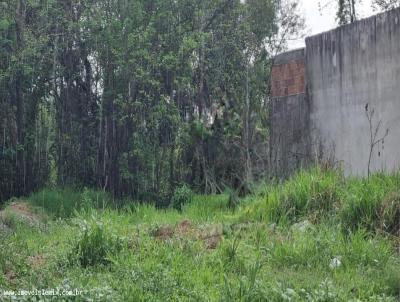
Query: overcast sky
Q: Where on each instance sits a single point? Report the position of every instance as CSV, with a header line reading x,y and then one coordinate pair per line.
x,y
320,20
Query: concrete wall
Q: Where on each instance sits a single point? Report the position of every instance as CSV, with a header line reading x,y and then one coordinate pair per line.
x,y
346,69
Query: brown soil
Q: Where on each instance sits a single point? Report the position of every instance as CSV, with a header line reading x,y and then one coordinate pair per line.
x,y
211,235
185,227
11,277
212,242
164,233
36,261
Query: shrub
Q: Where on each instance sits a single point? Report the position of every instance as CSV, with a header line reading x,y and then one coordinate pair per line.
x,y
94,245
182,195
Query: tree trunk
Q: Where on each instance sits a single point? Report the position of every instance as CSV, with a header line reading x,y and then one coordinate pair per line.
x,y
19,100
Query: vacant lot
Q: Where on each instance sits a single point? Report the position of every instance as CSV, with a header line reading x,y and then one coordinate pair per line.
x,y
316,237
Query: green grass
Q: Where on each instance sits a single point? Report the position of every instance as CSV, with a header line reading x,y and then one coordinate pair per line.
x,y
318,195
349,254
313,194
63,202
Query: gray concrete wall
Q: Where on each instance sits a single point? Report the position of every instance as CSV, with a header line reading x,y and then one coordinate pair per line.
x,y
290,137
346,69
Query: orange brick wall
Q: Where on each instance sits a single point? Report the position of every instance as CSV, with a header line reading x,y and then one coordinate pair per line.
x,y
288,79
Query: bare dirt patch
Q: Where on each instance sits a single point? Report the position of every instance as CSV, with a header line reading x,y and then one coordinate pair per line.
x,y
212,242
211,235
36,262
11,277
163,233
184,228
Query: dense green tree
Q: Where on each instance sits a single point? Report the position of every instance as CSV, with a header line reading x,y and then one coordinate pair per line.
x,y
137,96
24,61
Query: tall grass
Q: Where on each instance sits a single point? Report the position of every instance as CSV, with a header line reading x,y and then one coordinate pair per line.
x,y
317,195
114,256
95,245
311,194
372,203
207,207
63,202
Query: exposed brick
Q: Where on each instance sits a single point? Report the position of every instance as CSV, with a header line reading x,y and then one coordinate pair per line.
x,y
288,79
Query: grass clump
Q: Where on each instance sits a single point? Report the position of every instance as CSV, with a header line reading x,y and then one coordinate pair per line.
x,y
319,195
372,204
182,195
95,244
207,207
312,194
389,214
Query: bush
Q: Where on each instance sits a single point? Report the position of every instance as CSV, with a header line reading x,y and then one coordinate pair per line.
x,y
94,245
182,195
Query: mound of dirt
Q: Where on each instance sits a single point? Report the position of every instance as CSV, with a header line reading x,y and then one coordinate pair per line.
x,y
184,228
211,235
22,211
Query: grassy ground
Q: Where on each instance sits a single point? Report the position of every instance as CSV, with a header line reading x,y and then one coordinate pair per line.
x,y
316,237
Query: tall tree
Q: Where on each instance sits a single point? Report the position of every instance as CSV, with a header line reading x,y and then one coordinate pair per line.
x,y
347,11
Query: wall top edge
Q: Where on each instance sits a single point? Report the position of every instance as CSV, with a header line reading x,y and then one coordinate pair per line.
x,y
289,56
392,13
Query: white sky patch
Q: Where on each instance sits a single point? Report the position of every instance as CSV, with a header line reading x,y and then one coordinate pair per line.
x,y
320,16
